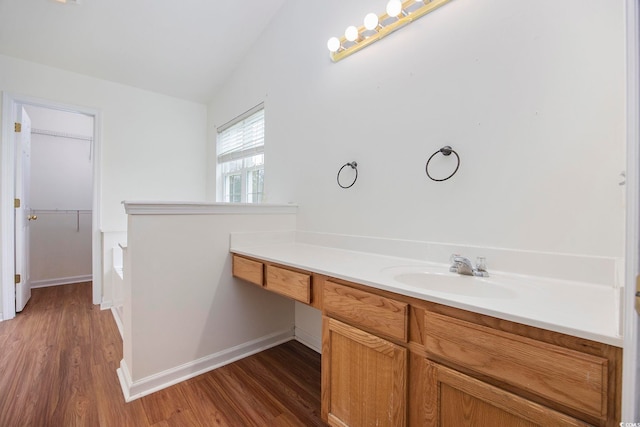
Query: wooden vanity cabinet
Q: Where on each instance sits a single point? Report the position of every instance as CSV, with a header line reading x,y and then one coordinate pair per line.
x,y
364,377
364,374
393,360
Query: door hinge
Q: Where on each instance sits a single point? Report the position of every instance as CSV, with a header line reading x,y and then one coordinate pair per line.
x,y
17,127
18,278
16,203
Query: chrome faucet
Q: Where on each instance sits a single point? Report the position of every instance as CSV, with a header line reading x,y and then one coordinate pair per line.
x,y
462,265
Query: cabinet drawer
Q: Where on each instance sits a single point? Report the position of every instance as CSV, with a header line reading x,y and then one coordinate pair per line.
x,y
247,269
289,283
484,404
568,377
366,310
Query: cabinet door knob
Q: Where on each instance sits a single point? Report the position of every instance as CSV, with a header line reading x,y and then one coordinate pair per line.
x,y
32,217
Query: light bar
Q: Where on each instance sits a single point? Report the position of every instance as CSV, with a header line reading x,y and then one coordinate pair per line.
x,y
397,15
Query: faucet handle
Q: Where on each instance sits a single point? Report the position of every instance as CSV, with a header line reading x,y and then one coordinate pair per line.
x,y
452,260
481,267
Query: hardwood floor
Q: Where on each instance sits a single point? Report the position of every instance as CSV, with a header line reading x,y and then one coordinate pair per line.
x,y
58,361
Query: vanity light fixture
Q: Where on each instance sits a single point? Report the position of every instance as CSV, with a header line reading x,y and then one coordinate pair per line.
x,y
397,15
394,8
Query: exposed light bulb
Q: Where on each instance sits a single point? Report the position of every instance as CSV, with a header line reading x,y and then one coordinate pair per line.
x,y
371,21
351,33
333,44
394,8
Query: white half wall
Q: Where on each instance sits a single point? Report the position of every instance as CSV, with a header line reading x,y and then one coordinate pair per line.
x,y
183,311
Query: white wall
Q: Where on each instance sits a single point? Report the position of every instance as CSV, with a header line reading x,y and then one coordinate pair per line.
x,y
530,94
153,146
61,168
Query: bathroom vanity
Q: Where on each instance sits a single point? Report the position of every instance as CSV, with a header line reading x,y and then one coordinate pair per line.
x,y
395,352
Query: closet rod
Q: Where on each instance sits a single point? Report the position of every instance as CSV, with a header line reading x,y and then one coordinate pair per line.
x,y
61,134
61,211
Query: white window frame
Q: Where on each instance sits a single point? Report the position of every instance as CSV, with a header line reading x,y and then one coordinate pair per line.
x,y
243,150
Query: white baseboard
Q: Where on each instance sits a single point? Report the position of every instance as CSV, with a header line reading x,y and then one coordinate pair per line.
x,y
312,341
61,281
133,390
116,317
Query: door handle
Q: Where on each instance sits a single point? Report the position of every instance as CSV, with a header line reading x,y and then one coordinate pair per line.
x,y
32,217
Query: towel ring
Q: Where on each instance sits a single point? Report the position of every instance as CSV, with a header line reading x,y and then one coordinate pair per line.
x,y
354,166
446,151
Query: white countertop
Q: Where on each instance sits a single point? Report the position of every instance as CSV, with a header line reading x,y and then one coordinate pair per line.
x,y
584,310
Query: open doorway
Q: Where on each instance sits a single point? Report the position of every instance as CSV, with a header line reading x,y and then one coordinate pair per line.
x,y
60,197
61,211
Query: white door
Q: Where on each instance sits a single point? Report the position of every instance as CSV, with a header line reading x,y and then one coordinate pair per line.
x,y
22,213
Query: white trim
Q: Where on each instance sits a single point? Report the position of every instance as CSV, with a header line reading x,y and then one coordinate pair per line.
x,y
106,304
119,324
7,177
631,365
199,208
309,340
133,390
251,111
61,281
96,216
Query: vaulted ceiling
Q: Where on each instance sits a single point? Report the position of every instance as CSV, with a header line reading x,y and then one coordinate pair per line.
x,y
182,48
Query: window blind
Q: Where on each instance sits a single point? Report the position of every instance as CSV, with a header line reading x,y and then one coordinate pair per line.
x,y
242,137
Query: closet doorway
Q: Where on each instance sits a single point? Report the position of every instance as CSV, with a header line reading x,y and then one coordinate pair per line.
x,y
52,234
61,197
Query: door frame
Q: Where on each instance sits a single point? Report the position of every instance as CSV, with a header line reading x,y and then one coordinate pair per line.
x,y
10,101
631,319
22,214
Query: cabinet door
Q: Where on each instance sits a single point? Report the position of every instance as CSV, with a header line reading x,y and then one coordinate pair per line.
x,y
457,400
364,378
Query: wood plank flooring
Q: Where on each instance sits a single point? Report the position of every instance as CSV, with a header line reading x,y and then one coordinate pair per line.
x,y
58,361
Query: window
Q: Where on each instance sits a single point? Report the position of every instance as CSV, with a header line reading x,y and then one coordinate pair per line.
x,y
240,148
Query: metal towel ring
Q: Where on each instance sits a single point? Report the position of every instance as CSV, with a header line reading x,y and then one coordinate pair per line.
x,y
446,151
354,166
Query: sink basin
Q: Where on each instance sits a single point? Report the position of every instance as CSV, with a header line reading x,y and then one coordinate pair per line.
x,y
448,283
